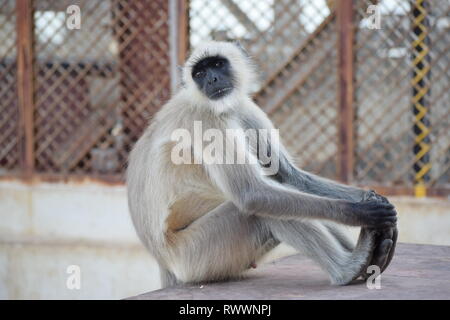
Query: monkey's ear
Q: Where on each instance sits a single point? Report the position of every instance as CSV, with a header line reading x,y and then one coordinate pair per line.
x,y
239,45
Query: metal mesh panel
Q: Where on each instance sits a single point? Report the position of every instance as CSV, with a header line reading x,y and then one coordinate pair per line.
x,y
293,43
307,115
9,113
270,30
97,86
401,68
440,93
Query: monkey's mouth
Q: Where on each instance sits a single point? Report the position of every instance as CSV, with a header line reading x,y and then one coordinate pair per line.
x,y
220,93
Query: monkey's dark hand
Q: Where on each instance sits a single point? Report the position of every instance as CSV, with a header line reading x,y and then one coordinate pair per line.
x,y
385,239
372,213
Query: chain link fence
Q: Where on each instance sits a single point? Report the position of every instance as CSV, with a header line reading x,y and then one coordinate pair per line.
x,y
96,87
294,46
9,109
402,95
300,81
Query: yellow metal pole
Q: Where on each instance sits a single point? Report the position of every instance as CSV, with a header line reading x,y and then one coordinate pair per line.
x,y
421,90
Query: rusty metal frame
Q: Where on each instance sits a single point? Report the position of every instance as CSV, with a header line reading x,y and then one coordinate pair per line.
x,y
346,91
25,84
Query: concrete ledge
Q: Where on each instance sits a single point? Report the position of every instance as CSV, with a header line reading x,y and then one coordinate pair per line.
x,y
416,272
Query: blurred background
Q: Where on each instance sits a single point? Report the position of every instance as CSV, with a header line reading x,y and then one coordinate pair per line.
x,y
360,91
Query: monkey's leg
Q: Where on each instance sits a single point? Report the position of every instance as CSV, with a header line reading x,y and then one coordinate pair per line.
x,y
345,242
312,238
218,246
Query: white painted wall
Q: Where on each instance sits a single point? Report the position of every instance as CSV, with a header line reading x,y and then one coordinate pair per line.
x,y
45,227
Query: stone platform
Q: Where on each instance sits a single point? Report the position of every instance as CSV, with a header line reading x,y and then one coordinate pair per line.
x,y
416,272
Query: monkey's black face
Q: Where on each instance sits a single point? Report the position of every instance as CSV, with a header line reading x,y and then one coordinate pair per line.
x,y
213,77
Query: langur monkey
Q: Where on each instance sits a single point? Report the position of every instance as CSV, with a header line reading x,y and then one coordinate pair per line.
x,y
211,220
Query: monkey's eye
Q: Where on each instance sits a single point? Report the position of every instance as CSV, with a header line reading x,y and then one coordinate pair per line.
x,y
218,64
198,74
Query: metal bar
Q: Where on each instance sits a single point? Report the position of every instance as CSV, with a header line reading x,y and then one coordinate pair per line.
x,y
346,145
302,48
264,98
296,81
421,93
25,83
183,31
242,17
173,43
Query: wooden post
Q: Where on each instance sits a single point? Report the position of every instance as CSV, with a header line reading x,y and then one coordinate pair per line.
x,y
346,94
25,83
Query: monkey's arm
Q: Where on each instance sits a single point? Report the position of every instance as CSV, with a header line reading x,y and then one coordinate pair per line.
x,y
310,183
252,192
289,174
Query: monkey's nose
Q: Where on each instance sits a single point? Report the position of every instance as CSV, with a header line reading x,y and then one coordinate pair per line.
x,y
214,79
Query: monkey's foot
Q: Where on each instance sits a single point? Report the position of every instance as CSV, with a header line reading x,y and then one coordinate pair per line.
x,y
384,248
385,240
